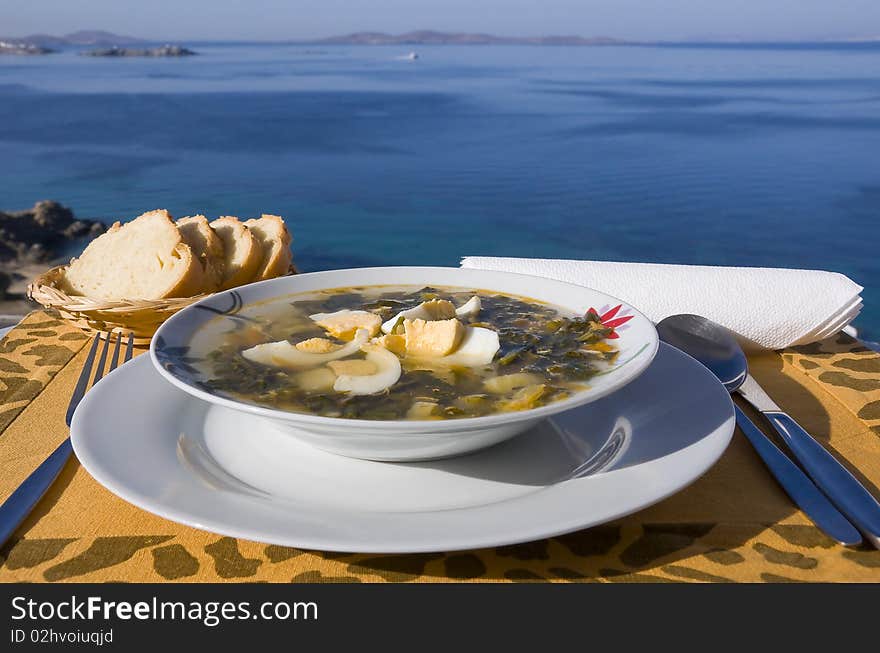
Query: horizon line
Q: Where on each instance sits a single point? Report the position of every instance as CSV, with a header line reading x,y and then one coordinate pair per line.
x,y
322,40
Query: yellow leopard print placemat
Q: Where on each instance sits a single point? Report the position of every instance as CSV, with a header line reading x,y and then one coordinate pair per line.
x,y
732,525
847,369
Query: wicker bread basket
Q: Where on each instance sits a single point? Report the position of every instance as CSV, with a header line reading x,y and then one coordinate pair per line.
x,y
139,317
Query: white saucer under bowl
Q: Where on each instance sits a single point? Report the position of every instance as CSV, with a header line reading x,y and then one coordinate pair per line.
x,y
237,474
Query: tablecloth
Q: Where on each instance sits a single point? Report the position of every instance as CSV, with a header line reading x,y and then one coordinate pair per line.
x,y
732,525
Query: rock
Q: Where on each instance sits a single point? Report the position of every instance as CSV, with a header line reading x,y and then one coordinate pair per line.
x,y
82,228
162,51
35,253
39,234
51,215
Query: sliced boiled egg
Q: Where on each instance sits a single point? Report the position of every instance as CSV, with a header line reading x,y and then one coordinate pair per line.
x,y
345,323
283,354
477,348
433,338
435,309
387,373
416,313
470,308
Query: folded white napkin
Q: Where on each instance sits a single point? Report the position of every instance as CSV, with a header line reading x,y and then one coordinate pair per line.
x,y
768,308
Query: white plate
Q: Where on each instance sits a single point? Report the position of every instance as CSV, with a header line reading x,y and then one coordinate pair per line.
x,y
236,474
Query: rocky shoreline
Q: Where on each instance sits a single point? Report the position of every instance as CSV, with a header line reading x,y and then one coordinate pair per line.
x,y
32,241
23,48
162,51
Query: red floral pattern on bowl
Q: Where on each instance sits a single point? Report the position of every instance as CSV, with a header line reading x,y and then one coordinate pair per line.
x,y
610,319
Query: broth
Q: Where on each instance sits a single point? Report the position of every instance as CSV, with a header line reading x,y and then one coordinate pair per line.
x,y
447,368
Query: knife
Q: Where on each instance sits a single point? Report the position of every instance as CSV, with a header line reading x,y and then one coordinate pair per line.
x,y
841,487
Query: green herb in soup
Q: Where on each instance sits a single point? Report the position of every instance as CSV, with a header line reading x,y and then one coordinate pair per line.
x,y
404,353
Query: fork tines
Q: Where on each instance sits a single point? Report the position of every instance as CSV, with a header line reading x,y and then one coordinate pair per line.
x,y
83,383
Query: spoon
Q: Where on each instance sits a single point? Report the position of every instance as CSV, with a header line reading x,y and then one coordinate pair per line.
x,y
717,349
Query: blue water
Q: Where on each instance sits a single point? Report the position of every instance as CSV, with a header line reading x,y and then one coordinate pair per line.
x,y
735,155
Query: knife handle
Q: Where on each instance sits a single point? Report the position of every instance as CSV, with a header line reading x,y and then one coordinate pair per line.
x,y
22,502
831,476
798,486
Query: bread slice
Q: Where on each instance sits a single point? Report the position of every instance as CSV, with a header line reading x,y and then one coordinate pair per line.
x,y
274,239
142,259
242,253
206,245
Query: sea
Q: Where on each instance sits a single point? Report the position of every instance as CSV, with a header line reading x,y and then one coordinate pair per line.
x,y
753,155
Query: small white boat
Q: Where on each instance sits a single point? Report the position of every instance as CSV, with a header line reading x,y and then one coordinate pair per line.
x,y
412,56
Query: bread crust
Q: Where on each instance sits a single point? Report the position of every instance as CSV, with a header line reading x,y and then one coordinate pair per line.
x,y
206,246
192,282
275,239
238,242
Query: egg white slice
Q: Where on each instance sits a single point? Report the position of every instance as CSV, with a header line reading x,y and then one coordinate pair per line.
x,y
470,308
285,355
415,313
478,347
387,375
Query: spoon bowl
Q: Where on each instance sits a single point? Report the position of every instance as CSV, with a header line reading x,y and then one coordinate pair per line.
x,y
710,343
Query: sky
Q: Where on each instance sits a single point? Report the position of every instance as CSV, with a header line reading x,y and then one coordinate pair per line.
x,y
305,19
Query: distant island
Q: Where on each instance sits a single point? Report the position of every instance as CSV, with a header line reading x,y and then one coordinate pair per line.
x,y
90,37
430,37
162,51
109,45
34,44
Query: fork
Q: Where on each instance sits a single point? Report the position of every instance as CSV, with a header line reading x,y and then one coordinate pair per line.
x,y
21,502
